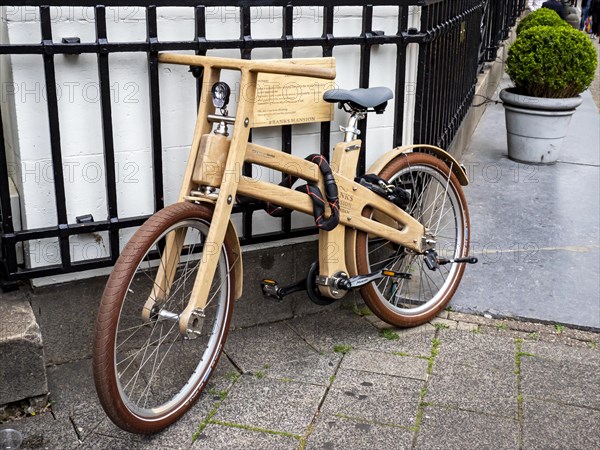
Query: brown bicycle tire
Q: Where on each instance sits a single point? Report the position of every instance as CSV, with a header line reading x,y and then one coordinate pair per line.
x,y
369,292
105,377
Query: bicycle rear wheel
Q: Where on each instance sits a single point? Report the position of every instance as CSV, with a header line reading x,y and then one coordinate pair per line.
x,y
146,373
438,202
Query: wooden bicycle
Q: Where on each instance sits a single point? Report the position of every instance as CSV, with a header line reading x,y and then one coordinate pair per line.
x,y
399,233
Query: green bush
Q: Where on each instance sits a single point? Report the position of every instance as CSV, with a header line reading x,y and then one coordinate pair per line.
x,y
542,16
551,62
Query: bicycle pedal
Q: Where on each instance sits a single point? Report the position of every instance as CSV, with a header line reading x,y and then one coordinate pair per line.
x,y
271,289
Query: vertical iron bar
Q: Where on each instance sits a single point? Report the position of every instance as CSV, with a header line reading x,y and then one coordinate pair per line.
x,y
8,246
363,82
55,145
200,35
157,163
286,130
107,131
327,52
400,77
246,53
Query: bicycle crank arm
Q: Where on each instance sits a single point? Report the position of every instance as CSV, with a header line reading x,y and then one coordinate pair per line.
x,y
361,280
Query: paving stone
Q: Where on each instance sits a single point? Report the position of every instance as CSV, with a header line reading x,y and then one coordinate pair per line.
x,y
373,397
278,352
559,352
552,426
73,395
324,331
465,348
271,404
443,428
466,326
334,433
471,318
562,381
67,316
254,309
217,437
474,389
45,432
440,322
101,442
22,370
386,364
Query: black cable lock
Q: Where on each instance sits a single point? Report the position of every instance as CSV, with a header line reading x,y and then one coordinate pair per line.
x,y
312,189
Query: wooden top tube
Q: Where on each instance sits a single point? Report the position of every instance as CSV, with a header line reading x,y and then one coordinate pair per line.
x,y
264,66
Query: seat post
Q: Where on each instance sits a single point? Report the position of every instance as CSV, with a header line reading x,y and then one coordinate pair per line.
x,y
351,130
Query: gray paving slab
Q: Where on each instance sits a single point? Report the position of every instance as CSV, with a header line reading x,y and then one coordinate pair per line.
x,y
271,404
552,426
385,364
73,395
181,432
474,389
74,398
493,351
342,327
535,229
217,437
373,397
21,347
444,428
277,351
67,316
45,432
334,433
570,382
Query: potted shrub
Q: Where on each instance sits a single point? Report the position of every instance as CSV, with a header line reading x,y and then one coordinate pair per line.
x,y
542,16
549,67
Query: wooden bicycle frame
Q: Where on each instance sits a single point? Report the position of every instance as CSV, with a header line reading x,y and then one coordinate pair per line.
x,y
336,248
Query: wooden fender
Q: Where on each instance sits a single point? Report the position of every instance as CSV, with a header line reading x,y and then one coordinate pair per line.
x,y
377,167
450,161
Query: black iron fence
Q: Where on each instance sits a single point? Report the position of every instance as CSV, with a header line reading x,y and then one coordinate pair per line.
x,y
455,38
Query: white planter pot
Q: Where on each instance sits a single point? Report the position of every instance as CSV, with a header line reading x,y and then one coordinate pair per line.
x,y
536,126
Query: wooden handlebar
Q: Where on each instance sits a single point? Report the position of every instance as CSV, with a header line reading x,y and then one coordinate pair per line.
x,y
293,67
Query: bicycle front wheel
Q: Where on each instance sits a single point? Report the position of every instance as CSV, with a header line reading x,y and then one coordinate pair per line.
x,y
438,202
146,373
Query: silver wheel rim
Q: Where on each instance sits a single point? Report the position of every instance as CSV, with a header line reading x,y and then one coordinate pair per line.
x,y
408,297
132,364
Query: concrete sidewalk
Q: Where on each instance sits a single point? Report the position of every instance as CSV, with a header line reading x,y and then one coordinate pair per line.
x,y
534,228
333,380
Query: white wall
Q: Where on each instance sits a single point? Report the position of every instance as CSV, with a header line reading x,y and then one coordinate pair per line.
x,y
24,99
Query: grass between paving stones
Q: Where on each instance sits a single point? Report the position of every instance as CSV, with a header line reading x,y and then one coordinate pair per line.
x,y
342,348
389,334
518,355
409,355
361,312
440,326
253,428
435,350
222,394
